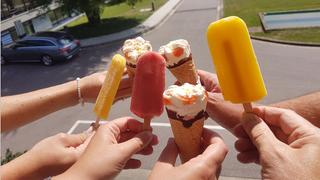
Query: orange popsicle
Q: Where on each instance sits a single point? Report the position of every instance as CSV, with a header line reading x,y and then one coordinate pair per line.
x,y
235,61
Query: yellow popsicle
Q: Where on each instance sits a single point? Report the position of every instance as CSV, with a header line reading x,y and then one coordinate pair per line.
x,y
110,86
235,61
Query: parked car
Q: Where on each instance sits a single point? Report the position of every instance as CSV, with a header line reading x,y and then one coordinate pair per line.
x,y
46,47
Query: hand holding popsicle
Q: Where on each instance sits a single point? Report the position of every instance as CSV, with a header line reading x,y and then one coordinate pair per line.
x,y
235,62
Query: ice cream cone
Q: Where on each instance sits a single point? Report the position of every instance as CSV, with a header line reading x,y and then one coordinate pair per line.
x,y
131,71
188,139
132,50
185,107
185,72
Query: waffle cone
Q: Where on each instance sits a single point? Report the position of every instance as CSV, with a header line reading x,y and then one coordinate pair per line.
x,y
186,72
188,140
131,71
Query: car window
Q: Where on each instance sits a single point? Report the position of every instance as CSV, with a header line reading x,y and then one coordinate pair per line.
x,y
29,43
45,43
66,40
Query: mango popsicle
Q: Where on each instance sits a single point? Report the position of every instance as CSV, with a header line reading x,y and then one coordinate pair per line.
x,y
109,88
235,61
148,87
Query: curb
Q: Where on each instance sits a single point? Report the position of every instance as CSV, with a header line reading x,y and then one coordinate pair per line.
x,y
294,43
152,22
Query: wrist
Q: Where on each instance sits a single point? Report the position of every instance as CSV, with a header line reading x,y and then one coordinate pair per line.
x,y
73,173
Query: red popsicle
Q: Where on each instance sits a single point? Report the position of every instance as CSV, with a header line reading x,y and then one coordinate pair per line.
x,y
148,87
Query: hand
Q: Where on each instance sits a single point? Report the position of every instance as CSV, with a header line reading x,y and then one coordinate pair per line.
x,y
205,166
225,113
209,81
91,85
285,144
49,157
110,150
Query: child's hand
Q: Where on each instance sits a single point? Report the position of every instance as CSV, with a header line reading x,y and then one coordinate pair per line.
x,y
111,149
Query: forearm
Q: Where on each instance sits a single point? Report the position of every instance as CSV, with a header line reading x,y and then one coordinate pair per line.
x,y
307,106
23,167
21,109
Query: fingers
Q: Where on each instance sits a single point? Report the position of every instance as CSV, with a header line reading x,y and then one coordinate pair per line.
x,y
243,145
126,124
168,156
147,150
216,151
72,140
132,164
286,119
239,132
258,131
248,157
210,137
209,80
128,135
136,144
124,90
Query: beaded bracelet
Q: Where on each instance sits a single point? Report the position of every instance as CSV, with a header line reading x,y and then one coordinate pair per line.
x,y
81,100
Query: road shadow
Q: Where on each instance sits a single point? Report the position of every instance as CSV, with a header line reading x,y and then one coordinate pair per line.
x,y
19,78
105,27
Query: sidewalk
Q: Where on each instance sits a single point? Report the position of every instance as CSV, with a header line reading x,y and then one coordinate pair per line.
x,y
140,174
155,19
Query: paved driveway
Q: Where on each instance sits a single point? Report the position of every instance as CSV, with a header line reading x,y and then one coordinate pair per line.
x,y
289,71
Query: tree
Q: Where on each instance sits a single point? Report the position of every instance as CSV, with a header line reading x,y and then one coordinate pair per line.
x,y
90,7
132,2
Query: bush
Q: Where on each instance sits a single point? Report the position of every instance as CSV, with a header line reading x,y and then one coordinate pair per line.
x,y
9,156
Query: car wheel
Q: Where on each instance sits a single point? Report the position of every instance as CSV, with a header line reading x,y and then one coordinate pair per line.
x,y
47,60
3,61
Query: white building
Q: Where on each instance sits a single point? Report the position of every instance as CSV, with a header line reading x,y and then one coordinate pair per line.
x,y
22,17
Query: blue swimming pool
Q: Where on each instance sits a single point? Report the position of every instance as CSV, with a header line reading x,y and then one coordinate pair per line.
x,y
291,19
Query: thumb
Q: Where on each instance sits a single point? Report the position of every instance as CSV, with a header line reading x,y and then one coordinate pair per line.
x,y
166,160
169,155
137,143
258,131
74,140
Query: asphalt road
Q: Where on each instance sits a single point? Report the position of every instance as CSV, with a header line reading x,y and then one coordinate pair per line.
x,y
289,71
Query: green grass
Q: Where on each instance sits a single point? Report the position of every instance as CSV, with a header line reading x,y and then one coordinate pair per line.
x,y
248,10
114,18
298,35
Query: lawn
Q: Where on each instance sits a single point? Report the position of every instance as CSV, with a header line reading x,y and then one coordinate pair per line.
x,y
248,10
114,18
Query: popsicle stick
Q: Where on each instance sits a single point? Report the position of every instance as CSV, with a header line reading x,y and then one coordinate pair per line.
x,y
146,124
247,107
96,124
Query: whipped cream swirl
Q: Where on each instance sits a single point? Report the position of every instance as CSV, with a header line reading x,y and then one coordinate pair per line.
x,y
175,51
186,100
133,48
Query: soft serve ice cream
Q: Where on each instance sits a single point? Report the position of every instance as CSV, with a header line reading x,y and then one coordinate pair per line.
x,y
175,51
186,100
179,61
133,48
